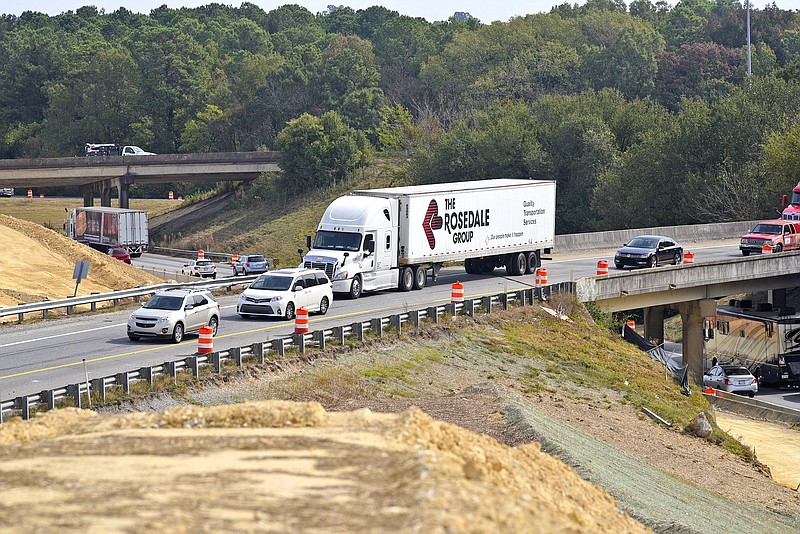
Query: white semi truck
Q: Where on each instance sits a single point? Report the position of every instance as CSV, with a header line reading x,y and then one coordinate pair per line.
x,y
103,228
395,237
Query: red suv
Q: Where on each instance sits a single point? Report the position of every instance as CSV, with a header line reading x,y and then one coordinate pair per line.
x,y
120,253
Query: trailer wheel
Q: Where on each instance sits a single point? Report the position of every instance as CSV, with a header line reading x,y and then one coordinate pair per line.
x,y
472,266
420,277
516,264
487,265
533,262
406,279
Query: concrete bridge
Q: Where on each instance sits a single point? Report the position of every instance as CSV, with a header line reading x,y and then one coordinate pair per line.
x,y
101,175
692,290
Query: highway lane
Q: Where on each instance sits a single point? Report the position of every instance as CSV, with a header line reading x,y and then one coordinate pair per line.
x,y
50,354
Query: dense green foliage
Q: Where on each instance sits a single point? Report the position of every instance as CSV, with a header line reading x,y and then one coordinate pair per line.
x,y
644,113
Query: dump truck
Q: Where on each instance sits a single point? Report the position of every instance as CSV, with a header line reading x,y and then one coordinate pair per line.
x,y
104,228
375,239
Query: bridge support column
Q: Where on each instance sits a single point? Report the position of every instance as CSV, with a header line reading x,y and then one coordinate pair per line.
x,y
693,314
123,187
777,297
87,192
105,196
654,324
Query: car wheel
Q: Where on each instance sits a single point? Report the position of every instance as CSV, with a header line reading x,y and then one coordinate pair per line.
x,y
777,248
420,277
618,265
323,306
289,313
745,253
133,337
355,288
677,259
177,333
751,394
214,324
406,279
652,261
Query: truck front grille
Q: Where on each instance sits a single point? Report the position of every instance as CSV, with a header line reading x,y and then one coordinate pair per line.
x,y
322,266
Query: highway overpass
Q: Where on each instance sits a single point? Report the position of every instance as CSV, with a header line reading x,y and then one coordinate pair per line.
x,y
101,175
692,290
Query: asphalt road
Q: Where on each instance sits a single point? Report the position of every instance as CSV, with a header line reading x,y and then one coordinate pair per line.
x,y
51,354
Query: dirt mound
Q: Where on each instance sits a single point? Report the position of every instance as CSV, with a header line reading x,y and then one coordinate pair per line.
x,y
37,264
280,466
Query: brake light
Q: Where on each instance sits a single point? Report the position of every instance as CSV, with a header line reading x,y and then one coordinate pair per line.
x,y
725,381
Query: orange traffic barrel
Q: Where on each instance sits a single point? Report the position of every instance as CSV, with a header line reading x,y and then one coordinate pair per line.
x,y
631,324
541,276
205,343
457,292
201,254
688,258
301,321
602,267
766,249
171,195
234,257
30,193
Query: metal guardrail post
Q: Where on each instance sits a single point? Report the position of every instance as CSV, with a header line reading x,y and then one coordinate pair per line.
x,y
147,374
50,397
279,344
99,385
258,351
235,353
376,325
299,341
358,330
25,406
193,365
319,337
521,297
123,380
169,368
433,314
397,323
338,333
74,391
469,307
216,361
413,316
486,302
452,309
504,300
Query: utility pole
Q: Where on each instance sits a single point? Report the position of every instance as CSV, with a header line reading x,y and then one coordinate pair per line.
x,y
749,64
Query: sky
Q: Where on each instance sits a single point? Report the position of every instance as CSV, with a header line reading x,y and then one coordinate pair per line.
x,y
432,10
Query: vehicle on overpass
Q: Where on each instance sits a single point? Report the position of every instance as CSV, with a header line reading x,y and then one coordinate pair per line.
x,y
6,191
103,228
763,339
392,238
779,235
111,149
648,251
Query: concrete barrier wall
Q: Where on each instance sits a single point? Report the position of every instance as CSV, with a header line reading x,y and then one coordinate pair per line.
x,y
683,234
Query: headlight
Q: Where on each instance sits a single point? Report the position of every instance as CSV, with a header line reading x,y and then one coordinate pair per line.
x,y
341,275
163,319
277,299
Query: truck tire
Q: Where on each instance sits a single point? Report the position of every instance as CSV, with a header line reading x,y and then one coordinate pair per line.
x,y
406,279
420,277
516,264
472,266
355,288
487,265
533,262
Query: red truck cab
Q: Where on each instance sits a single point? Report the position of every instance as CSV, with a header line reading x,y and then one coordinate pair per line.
x,y
791,212
779,234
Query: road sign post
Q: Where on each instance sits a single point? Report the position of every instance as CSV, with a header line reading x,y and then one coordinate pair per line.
x,y
81,271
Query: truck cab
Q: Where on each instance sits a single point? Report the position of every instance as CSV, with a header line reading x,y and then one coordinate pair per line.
x,y
791,212
356,244
779,234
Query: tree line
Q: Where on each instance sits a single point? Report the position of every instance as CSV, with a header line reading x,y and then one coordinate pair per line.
x,y
645,114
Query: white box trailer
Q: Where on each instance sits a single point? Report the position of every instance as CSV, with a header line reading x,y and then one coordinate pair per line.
x,y
104,227
395,237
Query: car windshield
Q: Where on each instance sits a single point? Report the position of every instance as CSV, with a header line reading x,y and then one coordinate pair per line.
x,y
736,371
643,242
272,283
164,302
326,239
203,263
255,259
774,229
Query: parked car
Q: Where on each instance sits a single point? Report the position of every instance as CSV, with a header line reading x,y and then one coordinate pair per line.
x,y
120,254
174,312
201,267
250,264
731,378
281,293
648,251
779,234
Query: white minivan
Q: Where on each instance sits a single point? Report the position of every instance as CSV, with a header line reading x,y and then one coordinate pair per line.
x,y
281,293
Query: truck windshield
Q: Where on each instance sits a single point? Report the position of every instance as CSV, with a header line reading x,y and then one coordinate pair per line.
x,y
767,229
326,239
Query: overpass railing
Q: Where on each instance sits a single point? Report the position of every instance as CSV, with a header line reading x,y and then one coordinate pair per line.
x,y
272,351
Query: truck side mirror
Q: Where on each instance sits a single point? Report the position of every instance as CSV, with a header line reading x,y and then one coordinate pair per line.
x,y
308,242
784,199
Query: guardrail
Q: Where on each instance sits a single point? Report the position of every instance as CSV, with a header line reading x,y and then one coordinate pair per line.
x,y
71,303
270,350
179,252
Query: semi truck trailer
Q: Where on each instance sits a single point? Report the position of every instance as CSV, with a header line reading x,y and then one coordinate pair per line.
x,y
103,228
375,239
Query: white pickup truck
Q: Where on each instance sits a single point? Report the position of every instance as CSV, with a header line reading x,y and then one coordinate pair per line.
x,y
110,149
6,191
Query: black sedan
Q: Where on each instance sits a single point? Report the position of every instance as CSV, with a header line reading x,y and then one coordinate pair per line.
x,y
648,251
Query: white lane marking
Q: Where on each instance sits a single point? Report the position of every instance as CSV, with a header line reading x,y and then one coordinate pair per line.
x,y
63,335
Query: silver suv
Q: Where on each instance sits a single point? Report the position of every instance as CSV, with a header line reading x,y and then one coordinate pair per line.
x,y
201,267
174,312
250,264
